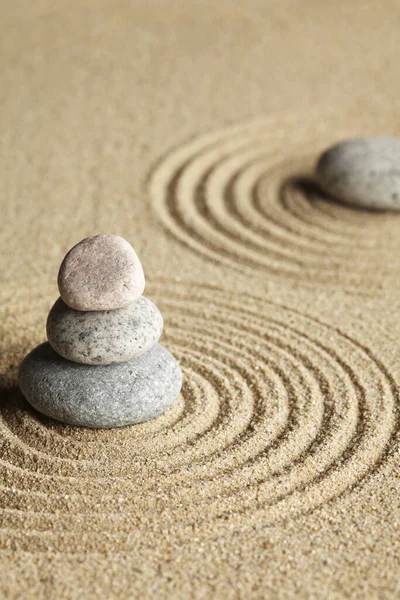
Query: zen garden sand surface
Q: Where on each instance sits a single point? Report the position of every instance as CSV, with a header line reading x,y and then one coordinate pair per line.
x,y
194,132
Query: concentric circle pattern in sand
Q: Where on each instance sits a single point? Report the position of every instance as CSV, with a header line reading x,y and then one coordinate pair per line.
x,y
279,413
245,196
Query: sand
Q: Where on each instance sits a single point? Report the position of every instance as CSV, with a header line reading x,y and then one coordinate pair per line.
x,y
191,129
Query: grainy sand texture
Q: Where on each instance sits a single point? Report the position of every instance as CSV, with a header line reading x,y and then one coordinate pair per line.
x,y
191,129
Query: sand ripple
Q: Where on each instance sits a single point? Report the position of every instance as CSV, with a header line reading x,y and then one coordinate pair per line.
x,y
244,196
279,413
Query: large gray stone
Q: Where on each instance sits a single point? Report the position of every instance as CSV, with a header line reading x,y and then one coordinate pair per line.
x,y
364,172
101,272
104,337
100,396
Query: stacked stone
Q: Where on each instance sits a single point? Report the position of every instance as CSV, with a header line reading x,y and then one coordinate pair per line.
x,y
102,366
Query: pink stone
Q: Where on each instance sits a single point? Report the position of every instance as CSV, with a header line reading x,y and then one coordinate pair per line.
x,y
101,272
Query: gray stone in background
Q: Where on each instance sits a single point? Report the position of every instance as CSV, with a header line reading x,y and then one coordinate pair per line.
x,y
101,272
104,337
100,396
364,172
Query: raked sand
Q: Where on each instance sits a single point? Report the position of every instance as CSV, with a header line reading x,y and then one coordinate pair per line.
x,y
191,129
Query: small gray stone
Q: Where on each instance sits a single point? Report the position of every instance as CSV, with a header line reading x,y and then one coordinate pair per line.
x,y
364,172
100,396
102,272
104,337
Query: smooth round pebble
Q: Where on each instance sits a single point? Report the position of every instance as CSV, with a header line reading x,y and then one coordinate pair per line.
x,y
364,172
104,337
102,272
100,396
